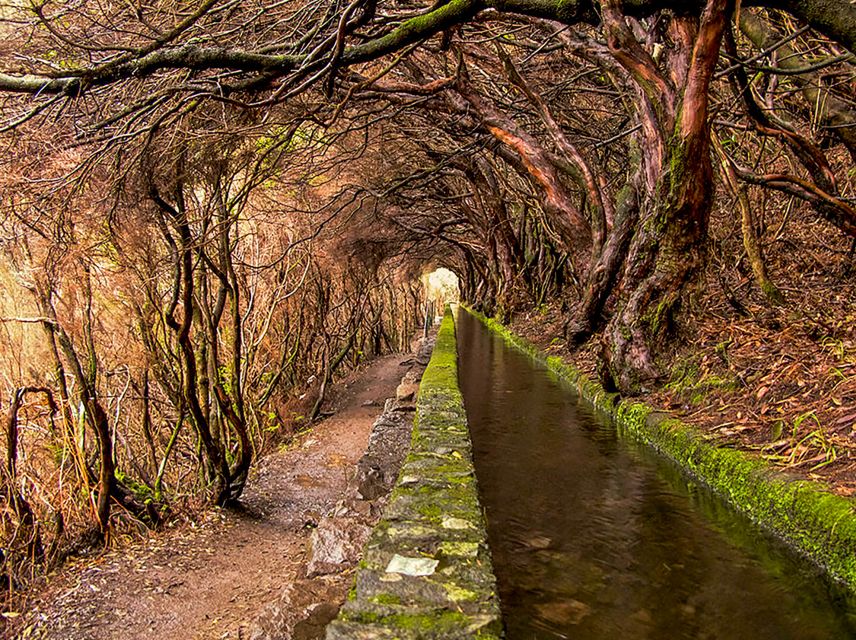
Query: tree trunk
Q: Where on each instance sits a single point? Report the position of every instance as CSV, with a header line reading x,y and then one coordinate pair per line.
x,y
29,526
668,251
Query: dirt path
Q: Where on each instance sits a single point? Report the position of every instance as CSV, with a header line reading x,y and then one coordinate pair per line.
x,y
214,580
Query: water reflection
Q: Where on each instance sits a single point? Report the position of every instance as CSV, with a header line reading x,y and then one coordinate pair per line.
x,y
593,537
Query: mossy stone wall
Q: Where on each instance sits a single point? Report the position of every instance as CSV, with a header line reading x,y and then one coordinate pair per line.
x,y
426,570
806,515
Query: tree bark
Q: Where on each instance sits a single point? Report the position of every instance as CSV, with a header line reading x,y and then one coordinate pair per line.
x,y
668,250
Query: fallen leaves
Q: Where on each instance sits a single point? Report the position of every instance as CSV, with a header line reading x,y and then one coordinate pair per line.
x,y
752,382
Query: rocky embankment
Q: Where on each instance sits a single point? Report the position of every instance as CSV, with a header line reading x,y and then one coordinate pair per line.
x,y
309,603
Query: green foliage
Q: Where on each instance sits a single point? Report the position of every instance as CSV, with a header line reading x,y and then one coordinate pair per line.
x,y
224,377
271,421
141,492
800,447
306,136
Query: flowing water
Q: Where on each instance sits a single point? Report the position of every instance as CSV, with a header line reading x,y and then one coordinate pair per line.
x,y
596,537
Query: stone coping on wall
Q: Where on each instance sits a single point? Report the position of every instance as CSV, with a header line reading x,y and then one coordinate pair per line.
x,y
805,515
426,571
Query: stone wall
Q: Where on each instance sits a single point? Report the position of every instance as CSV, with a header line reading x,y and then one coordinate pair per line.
x,y
426,570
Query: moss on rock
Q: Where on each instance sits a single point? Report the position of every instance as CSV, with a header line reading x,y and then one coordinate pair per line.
x,y
434,513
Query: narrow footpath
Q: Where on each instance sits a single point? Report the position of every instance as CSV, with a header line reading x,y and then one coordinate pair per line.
x,y
224,577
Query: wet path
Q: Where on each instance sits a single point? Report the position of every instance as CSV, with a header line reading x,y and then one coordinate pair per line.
x,y
594,537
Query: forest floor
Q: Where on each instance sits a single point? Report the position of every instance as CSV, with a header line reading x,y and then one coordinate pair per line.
x,y
778,381
215,577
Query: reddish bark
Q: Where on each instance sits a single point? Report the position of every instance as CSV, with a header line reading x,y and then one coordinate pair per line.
x,y
668,249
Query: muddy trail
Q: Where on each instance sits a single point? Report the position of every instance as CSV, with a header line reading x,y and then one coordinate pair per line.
x,y
238,573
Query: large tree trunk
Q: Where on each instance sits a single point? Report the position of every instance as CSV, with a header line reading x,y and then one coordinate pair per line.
x,y
668,250
666,255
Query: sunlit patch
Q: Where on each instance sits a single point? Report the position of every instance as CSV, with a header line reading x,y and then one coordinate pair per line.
x,y
441,287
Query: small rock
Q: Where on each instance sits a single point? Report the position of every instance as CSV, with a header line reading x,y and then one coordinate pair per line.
x,y
406,391
371,483
363,509
335,545
456,523
412,566
340,510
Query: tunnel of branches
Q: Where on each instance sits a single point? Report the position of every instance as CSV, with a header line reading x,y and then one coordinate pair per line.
x,y
211,211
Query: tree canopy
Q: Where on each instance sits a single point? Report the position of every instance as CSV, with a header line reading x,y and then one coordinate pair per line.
x,y
208,209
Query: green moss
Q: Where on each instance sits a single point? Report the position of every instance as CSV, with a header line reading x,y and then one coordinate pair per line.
x,y
554,362
685,373
385,598
456,479
687,381
436,485
415,29
431,511
142,492
772,292
656,317
459,594
445,621
441,375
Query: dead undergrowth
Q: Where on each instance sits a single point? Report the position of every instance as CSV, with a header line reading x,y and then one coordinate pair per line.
x,y
211,572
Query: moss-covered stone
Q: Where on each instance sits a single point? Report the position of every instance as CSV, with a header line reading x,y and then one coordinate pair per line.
x,y
433,514
385,598
806,515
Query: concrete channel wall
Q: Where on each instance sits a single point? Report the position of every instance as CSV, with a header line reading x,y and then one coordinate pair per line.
x,y
806,515
426,571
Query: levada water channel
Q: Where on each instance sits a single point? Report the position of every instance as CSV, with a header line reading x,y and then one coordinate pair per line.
x,y
593,536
